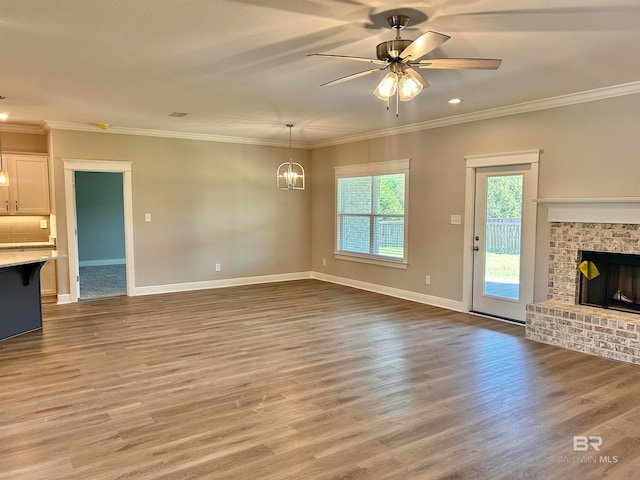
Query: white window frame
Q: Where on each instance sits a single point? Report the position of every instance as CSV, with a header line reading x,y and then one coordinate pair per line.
x,y
374,169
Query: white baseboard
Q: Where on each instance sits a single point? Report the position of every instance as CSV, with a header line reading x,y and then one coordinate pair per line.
x,y
100,263
229,282
392,292
64,298
233,282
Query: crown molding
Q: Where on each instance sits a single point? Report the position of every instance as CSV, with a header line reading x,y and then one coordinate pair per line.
x,y
85,127
532,106
30,129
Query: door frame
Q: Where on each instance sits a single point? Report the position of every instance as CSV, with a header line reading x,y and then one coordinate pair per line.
x,y
473,162
70,167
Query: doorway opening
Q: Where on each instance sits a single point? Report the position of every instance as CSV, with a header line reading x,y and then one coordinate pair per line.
x,y
100,225
98,198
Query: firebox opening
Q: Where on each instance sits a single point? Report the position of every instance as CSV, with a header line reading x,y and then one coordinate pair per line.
x,y
618,285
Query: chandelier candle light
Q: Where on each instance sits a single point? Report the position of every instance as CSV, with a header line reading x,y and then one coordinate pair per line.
x,y
290,175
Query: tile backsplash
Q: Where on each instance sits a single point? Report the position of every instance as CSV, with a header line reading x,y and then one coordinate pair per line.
x,y
18,228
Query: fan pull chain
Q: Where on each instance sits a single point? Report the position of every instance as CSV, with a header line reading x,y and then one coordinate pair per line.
x,y
397,104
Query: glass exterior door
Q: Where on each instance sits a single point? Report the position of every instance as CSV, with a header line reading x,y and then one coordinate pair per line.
x,y
500,287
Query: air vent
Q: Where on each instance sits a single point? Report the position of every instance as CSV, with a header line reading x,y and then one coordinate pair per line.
x,y
178,114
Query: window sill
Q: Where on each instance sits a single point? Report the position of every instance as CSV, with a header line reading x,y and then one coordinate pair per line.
x,y
381,261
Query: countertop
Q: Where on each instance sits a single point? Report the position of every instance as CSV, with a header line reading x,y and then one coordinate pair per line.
x,y
12,258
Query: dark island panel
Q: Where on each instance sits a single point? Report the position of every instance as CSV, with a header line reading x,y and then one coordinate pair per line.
x,y
20,298
20,304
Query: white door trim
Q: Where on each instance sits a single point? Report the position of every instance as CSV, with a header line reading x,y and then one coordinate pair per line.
x,y
474,162
71,166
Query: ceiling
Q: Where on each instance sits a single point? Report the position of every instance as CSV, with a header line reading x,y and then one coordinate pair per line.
x,y
240,70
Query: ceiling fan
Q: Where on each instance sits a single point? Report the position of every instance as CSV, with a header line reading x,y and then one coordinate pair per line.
x,y
402,58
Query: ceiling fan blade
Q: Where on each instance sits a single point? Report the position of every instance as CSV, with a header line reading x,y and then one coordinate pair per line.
x,y
345,57
422,80
422,45
352,76
459,63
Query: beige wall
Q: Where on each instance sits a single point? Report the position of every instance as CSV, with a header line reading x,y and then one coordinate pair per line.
x,y
589,150
203,215
210,203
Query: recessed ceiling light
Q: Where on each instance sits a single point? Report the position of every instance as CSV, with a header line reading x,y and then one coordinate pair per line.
x,y
455,101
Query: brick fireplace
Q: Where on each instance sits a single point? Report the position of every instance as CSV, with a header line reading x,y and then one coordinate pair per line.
x,y
600,225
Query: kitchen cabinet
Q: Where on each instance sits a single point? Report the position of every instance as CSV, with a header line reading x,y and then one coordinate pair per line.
x,y
28,190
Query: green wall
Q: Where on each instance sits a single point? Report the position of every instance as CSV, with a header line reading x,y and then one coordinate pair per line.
x,y
100,218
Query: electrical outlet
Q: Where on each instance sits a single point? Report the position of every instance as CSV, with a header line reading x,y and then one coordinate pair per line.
x,y
43,224
218,267
147,217
324,262
427,279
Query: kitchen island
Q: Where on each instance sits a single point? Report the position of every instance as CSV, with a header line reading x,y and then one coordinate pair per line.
x,y
20,302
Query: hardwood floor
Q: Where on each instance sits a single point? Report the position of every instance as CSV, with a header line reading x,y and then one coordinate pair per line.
x,y
237,384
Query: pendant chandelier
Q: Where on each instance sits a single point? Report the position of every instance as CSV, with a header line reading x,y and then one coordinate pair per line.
x,y
290,175
4,176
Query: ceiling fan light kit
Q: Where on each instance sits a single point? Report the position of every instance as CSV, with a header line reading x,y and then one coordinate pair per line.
x,y
402,57
408,87
387,87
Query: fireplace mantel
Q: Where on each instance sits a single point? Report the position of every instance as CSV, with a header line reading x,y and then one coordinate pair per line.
x,y
592,210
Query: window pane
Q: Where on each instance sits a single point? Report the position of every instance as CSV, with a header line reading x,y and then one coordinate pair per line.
x,y
354,195
389,194
503,236
371,215
354,234
389,237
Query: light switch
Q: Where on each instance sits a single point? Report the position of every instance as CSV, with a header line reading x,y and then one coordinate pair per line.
x,y
456,219
147,217
43,224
